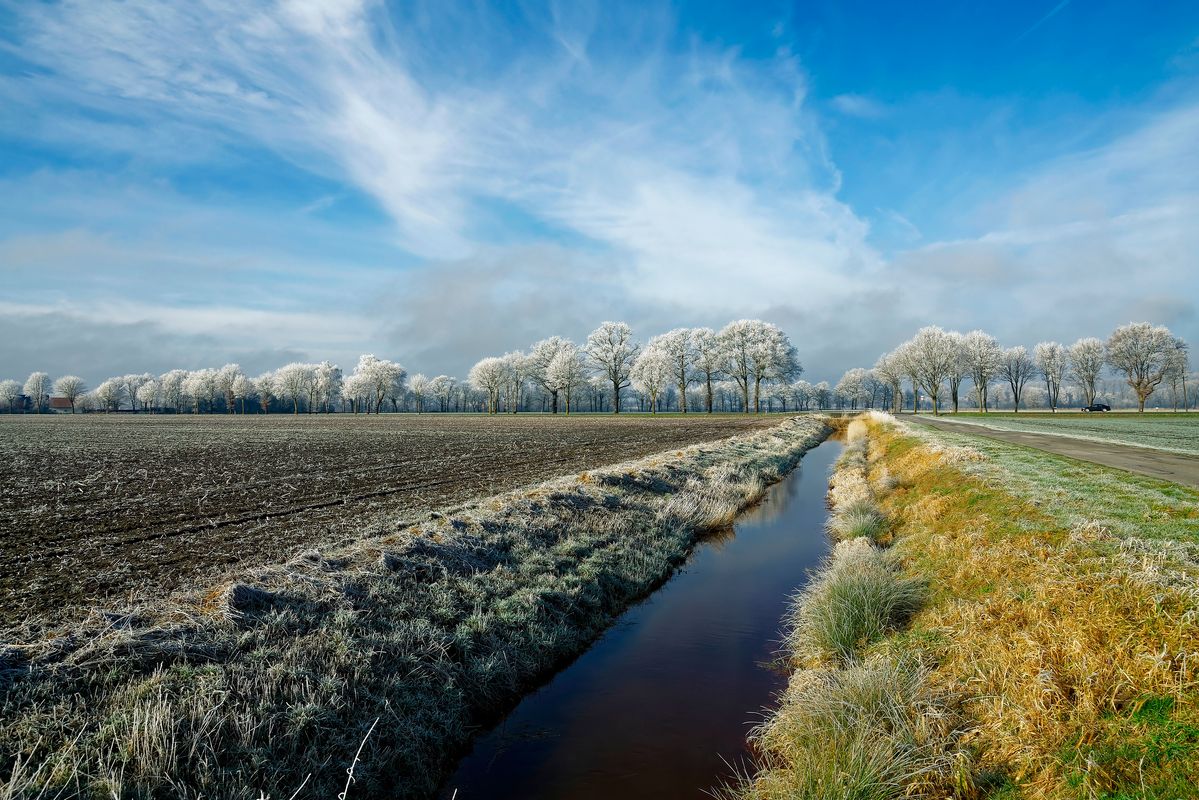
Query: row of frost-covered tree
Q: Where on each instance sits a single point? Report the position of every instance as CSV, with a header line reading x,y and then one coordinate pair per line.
x,y
935,364
749,365
742,367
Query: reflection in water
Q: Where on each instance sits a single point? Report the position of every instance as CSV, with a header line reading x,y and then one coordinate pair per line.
x,y
660,706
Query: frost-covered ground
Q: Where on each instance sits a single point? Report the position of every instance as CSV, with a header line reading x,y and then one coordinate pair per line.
x,y
1062,614
1176,433
1077,493
268,682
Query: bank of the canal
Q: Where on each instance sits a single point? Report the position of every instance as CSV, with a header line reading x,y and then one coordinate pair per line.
x,y
660,706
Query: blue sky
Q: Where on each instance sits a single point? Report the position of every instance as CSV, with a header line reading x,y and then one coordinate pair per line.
x,y
190,184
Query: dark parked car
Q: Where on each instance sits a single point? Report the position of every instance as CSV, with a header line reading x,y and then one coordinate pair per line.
x,y
1097,407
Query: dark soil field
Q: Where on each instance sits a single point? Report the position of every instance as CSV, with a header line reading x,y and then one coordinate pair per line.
x,y
95,508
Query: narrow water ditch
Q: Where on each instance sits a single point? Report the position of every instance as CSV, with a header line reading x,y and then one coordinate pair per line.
x,y
659,707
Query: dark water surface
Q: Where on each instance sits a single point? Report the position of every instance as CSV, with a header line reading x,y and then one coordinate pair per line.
x,y
660,706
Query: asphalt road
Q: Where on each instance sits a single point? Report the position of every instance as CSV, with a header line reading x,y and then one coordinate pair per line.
x,y
1154,463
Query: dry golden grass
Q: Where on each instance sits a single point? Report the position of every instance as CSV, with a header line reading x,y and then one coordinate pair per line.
x,y
1079,651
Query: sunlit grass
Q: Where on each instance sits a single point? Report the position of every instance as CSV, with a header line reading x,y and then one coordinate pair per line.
x,y
1063,595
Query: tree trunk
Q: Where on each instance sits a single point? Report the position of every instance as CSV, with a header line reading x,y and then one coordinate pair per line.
x,y
709,396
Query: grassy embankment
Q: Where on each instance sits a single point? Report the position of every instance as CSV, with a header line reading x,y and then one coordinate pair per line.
x,y
1175,433
268,683
1055,653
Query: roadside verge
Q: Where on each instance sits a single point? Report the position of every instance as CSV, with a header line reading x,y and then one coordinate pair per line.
x,y
1055,651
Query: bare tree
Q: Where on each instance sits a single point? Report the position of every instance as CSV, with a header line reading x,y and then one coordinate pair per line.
x,y
442,388
385,379
567,372
266,387
935,355
489,376
1050,358
294,382
149,394
802,393
982,355
328,384
418,384
1142,352
1016,368
70,387
10,390
756,352
959,367
678,348
852,386
171,385
890,371
822,394
541,355
611,348
243,389
1176,373
1086,359
709,356
651,373
130,384
109,393
200,386
774,360
225,378
37,386
738,340
516,379
909,364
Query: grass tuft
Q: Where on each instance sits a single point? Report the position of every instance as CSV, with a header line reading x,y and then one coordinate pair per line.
x,y
861,518
874,730
858,598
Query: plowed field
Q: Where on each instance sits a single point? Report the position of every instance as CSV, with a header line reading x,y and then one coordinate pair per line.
x,y
99,507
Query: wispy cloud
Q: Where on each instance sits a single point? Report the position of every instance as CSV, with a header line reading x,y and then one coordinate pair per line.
x,y
860,106
1053,12
693,163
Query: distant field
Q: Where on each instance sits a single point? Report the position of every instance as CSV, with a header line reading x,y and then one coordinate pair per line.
x,y
1176,433
98,506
